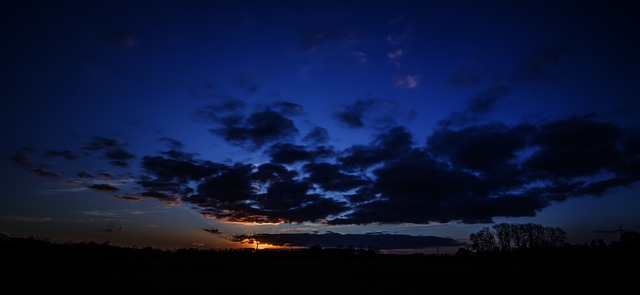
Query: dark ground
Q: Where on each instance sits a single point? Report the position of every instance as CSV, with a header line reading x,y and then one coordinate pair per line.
x,y
100,269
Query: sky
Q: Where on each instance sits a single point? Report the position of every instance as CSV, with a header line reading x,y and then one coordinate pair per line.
x,y
389,124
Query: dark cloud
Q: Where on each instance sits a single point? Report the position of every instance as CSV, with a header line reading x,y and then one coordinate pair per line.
x,y
288,108
229,112
317,135
84,174
377,113
178,155
22,159
171,143
461,173
269,172
394,143
599,188
166,198
106,174
329,177
259,128
67,154
118,154
127,198
118,157
212,230
178,171
231,185
336,240
314,209
576,147
483,147
99,143
119,163
111,228
285,195
104,187
485,100
476,173
268,193
287,153
538,66
482,103
45,173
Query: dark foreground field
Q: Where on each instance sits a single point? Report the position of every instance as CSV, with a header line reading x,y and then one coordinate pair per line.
x,y
99,269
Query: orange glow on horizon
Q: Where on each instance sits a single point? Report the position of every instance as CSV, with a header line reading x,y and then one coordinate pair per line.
x,y
261,246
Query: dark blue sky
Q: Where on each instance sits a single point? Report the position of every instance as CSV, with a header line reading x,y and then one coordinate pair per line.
x,y
145,123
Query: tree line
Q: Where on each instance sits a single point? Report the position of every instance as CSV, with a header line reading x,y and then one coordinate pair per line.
x,y
523,237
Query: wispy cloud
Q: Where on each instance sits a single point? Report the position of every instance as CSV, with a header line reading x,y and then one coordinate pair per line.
x,y
406,81
26,218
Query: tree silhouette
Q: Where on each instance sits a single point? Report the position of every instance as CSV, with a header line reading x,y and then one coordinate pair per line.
x,y
507,237
483,241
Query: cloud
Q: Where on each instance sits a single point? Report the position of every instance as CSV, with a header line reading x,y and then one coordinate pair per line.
x,y
84,174
228,112
103,213
234,195
67,154
287,108
212,230
171,143
336,240
361,57
395,54
98,143
111,228
481,147
576,147
538,66
460,173
118,154
106,174
388,145
329,177
166,198
45,173
22,159
127,198
484,101
25,218
171,173
406,81
317,135
480,172
287,153
375,112
257,129
105,187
